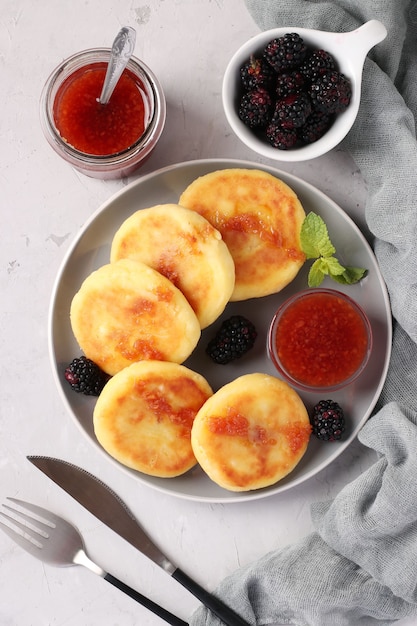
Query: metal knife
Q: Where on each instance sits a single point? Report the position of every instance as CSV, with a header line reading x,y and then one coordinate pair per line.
x,y
106,505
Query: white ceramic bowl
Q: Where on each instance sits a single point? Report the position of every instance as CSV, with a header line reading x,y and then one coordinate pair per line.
x,y
349,51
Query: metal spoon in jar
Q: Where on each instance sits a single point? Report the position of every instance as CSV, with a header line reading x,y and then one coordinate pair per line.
x,y
121,51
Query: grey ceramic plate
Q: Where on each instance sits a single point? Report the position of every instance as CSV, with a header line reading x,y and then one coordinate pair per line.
x,y
91,249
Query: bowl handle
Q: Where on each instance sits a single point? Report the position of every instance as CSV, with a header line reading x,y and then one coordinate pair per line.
x,y
365,37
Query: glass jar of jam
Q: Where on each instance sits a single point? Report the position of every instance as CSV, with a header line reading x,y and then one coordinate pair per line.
x,y
102,141
320,340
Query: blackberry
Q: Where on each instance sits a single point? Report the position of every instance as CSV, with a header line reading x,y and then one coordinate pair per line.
x,y
286,52
255,108
289,83
331,93
281,138
292,92
85,376
317,64
315,127
292,111
235,337
256,73
328,420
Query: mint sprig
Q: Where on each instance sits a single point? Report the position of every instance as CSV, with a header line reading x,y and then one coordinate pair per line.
x,y
316,244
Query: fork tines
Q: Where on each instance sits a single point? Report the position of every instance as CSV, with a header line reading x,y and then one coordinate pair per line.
x,y
31,531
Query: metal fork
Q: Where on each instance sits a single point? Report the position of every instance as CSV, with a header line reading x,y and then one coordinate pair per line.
x,y
53,540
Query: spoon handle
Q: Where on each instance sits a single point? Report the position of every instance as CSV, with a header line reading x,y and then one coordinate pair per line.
x,y
121,52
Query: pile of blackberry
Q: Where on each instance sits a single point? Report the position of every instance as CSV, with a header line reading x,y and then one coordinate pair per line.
x,y
328,420
85,376
292,93
235,337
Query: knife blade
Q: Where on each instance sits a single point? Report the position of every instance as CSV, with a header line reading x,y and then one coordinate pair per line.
x,y
94,495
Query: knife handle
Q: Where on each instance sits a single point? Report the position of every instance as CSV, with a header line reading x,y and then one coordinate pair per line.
x,y
146,602
219,608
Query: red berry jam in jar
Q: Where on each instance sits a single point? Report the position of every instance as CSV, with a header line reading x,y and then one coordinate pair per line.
x,y
103,141
99,129
320,339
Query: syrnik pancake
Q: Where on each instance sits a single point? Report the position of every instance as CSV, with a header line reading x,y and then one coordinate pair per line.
x,y
126,312
183,246
260,218
251,433
143,416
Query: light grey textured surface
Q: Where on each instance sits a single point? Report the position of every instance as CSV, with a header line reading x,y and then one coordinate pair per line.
x,y
358,567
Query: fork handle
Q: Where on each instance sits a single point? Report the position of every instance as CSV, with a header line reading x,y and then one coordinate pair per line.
x,y
170,618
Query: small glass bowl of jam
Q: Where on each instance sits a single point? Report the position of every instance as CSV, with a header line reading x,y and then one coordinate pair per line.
x,y
102,141
320,340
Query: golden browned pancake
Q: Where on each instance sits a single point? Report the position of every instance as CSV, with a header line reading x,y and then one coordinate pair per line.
x,y
126,312
183,246
260,220
251,433
143,416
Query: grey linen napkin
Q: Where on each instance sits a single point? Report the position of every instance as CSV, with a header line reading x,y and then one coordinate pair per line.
x,y
359,566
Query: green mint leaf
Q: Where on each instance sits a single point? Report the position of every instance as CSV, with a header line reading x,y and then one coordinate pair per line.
x,y
350,276
333,266
324,266
316,274
316,244
314,237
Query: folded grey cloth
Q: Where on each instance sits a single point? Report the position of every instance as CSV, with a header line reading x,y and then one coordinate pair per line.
x,y
359,566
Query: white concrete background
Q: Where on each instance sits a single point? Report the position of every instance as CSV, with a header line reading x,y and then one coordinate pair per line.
x,y
43,204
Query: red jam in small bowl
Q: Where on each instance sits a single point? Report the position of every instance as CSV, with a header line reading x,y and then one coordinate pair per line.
x,y
103,141
320,339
